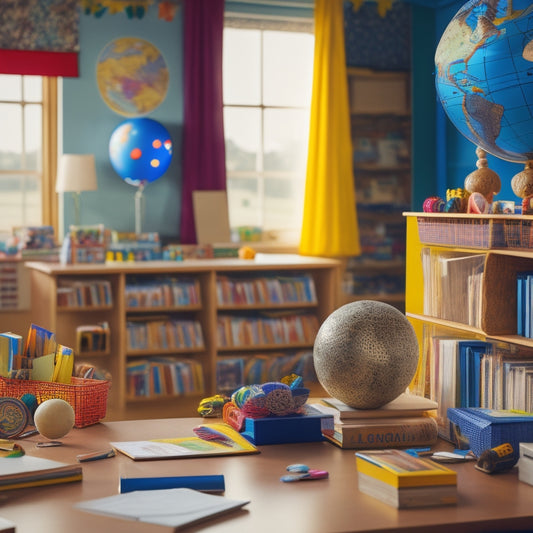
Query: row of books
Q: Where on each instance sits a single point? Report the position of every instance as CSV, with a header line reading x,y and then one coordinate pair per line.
x,y
164,377
470,373
266,290
235,371
453,286
165,292
92,338
164,334
263,330
86,293
9,286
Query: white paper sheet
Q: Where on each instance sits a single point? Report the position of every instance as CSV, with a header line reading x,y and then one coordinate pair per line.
x,y
169,507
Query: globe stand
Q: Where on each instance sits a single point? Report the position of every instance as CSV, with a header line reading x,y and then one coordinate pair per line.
x,y
522,183
483,179
139,209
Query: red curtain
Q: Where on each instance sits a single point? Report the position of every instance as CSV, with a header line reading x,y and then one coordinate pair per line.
x,y
39,37
204,158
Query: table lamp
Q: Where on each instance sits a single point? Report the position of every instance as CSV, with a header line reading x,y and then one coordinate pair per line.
x,y
76,173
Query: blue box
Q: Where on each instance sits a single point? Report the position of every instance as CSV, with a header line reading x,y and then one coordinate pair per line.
x,y
305,427
488,428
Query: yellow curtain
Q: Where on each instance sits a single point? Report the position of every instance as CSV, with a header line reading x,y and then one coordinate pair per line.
x,y
329,226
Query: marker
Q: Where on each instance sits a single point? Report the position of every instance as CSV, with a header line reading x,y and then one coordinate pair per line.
x,y
201,483
94,456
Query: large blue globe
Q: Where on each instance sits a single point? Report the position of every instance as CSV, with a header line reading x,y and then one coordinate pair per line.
x,y
484,77
140,150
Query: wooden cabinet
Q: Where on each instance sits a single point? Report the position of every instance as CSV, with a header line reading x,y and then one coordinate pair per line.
x,y
380,130
156,325
461,288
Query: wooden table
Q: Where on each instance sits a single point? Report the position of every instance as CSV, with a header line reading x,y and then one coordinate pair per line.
x,y
487,503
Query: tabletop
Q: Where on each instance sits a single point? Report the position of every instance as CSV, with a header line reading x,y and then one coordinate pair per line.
x,y
496,502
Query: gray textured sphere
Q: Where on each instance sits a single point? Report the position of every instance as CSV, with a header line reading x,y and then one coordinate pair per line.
x,y
365,354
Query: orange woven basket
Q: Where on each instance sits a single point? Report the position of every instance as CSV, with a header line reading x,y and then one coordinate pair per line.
x,y
88,397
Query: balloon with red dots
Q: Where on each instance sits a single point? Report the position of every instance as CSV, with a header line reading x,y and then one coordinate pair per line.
x,y
140,150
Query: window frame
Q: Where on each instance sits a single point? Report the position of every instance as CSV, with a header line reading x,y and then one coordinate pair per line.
x,y
49,149
259,173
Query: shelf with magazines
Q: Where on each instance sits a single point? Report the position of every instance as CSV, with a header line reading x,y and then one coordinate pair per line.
x,y
163,346
380,129
473,317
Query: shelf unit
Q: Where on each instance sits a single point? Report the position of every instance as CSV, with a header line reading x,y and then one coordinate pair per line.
x,y
47,277
380,129
494,308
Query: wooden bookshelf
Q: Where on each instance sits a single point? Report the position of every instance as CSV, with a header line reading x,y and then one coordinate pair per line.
x,y
483,299
46,278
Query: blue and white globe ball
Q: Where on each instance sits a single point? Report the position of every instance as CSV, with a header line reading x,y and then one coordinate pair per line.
x,y
484,62
140,150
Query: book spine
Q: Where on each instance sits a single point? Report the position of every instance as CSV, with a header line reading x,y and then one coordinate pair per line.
x,y
421,431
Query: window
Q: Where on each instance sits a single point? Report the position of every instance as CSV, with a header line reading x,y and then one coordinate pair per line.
x,y
267,81
28,114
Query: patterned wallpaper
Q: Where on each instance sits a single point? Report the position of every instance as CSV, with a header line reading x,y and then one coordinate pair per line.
x,y
378,42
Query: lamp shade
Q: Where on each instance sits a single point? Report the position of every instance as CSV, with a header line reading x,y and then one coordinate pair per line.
x,y
76,173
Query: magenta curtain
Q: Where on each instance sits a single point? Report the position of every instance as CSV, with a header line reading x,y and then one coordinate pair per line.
x,y
204,159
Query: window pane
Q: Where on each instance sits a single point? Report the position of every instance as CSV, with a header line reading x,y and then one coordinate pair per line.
x,y
11,137
283,204
243,196
242,130
242,66
33,136
286,139
20,201
288,68
33,88
10,88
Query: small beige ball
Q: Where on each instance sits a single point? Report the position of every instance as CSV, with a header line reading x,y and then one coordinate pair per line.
x,y
54,418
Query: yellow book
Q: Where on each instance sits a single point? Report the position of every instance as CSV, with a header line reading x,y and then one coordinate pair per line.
x,y
210,439
29,471
401,469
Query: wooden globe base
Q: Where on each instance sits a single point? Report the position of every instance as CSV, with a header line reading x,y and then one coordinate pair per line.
x,y
483,179
522,183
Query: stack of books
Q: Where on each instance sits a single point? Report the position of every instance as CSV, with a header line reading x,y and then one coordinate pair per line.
x,y
402,480
407,421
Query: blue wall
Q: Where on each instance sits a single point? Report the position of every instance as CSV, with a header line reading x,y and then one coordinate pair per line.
x,y
88,124
442,157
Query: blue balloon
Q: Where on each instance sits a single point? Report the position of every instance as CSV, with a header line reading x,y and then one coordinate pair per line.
x,y
140,150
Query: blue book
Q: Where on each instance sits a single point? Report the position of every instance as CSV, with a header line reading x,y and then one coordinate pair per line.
x,y
520,303
470,354
528,315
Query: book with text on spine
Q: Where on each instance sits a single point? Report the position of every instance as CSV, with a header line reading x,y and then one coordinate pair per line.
x,y
385,433
405,405
403,480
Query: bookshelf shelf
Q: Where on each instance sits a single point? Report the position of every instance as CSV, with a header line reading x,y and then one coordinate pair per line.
x,y
265,347
90,308
163,351
461,295
94,353
163,309
125,364
262,307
